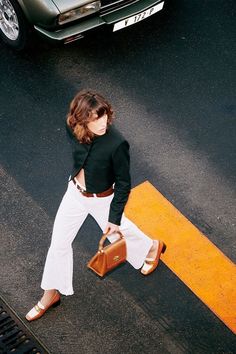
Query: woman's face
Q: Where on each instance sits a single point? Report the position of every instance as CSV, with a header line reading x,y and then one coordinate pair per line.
x,y
98,126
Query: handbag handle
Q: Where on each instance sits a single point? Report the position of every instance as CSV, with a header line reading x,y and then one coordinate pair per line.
x,y
103,239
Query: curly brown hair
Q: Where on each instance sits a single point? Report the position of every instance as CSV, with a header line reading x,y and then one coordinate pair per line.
x,y
82,108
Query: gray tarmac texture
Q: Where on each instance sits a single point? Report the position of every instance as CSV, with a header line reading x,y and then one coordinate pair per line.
x,y
171,80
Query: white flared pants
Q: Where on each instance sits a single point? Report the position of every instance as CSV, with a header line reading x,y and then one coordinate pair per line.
x,y
73,210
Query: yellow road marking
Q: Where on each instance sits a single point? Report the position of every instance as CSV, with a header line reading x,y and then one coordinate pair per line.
x,y
190,255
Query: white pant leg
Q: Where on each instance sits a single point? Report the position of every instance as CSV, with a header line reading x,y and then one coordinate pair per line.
x,y
138,244
58,268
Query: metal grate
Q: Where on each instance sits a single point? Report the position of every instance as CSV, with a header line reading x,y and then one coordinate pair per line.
x,y
15,337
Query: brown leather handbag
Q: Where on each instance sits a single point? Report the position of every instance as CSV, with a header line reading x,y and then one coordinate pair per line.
x,y
108,257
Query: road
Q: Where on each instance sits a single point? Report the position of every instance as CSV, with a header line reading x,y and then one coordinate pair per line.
x,y
171,80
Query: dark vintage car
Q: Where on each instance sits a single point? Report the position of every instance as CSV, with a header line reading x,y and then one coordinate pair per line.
x,y
68,20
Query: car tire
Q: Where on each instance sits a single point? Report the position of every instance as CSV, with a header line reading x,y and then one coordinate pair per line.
x,y
14,27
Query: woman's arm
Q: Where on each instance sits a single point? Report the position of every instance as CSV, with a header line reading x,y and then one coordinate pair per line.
x,y
121,168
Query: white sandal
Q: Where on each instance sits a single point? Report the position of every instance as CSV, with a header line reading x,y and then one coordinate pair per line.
x,y
38,310
151,264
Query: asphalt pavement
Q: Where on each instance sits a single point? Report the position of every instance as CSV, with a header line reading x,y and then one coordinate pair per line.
x,y
171,80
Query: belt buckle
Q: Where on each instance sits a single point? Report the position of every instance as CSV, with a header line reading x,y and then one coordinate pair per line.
x,y
82,191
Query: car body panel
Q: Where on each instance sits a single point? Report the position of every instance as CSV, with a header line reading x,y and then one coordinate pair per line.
x,y
130,10
65,6
98,20
40,12
43,16
71,31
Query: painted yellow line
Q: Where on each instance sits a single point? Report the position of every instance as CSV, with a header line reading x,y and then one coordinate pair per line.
x,y
190,255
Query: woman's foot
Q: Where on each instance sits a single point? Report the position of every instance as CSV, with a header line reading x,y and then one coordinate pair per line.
x,y
152,259
51,298
47,297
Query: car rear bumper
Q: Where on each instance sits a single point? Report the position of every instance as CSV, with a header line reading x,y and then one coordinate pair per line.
x,y
77,30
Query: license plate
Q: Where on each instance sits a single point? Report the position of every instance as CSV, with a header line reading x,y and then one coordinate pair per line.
x,y
138,17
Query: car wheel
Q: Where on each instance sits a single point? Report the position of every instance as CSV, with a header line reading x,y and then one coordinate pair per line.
x,y
14,28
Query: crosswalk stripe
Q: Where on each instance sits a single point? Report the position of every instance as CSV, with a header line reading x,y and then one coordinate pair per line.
x,y
190,254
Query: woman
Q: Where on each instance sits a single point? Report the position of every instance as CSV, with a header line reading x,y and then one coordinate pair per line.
x,y
99,185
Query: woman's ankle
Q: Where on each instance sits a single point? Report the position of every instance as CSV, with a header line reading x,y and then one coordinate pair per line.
x,y
47,296
153,249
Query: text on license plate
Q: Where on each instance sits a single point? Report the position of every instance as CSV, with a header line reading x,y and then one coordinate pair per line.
x,y
138,17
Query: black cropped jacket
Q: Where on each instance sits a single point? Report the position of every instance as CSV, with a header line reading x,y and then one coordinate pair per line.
x,y
105,162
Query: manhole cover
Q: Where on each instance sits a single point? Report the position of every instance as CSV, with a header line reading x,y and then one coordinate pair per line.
x,y
15,337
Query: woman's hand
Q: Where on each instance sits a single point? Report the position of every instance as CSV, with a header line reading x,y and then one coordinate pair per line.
x,y
111,228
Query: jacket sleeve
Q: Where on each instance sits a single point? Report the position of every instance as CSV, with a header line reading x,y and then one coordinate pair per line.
x,y
121,169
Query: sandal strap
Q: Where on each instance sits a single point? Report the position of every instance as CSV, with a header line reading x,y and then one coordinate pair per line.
x,y
39,307
150,261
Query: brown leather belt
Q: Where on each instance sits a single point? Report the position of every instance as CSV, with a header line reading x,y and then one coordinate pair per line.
x,y
106,193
